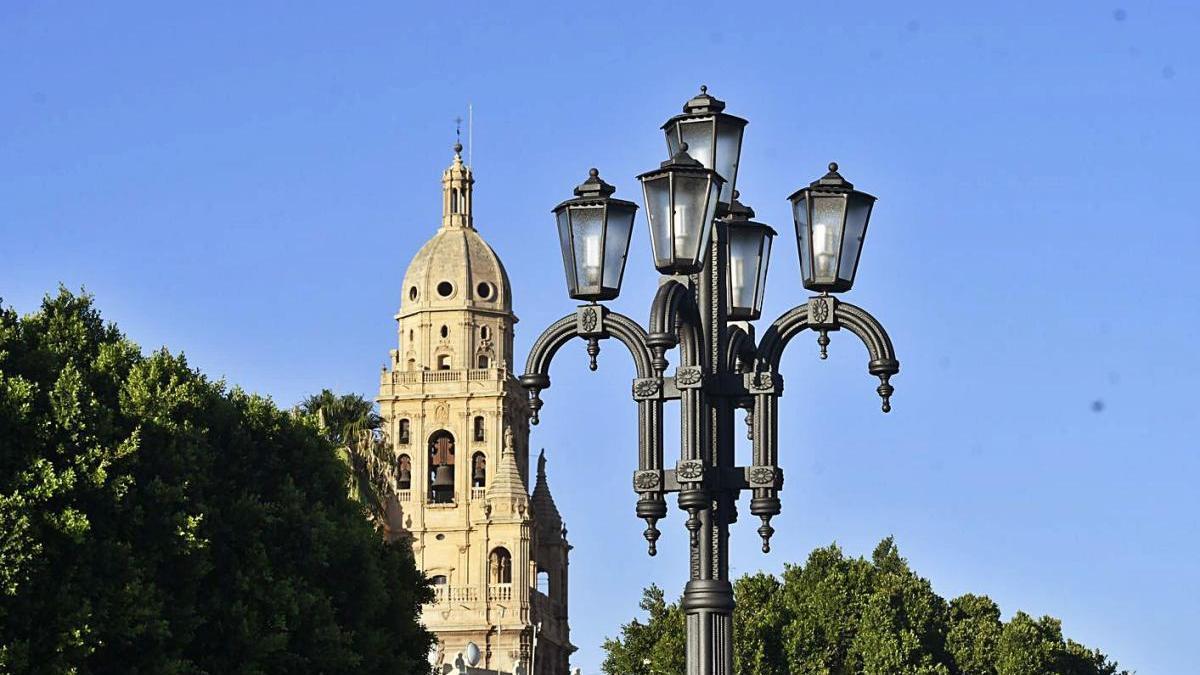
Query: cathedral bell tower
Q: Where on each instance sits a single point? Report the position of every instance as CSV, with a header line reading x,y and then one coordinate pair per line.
x,y
460,427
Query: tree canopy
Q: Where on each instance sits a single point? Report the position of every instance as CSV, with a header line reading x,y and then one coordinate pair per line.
x,y
350,422
155,521
836,615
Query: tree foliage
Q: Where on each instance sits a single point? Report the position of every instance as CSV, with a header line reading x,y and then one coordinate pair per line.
x,y
350,423
836,615
155,521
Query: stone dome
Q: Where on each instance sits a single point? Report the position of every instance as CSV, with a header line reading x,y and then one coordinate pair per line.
x,y
456,268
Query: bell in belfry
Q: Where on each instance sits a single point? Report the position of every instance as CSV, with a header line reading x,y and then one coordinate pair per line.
x,y
443,484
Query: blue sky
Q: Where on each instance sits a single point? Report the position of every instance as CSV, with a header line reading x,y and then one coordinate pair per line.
x,y
248,183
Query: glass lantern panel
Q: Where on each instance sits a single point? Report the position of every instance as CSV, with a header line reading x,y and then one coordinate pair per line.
x,y
564,240
699,134
587,225
672,132
858,211
616,243
657,191
761,287
691,217
828,216
745,257
800,216
729,148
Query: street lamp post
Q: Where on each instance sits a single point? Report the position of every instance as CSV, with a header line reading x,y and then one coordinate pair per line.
x,y
713,257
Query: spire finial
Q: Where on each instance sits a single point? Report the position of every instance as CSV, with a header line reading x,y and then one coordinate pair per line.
x,y
458,136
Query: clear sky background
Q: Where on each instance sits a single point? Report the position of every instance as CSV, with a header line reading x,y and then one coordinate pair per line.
x,y
246,182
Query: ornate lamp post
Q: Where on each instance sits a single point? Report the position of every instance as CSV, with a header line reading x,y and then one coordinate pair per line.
x,y
714,260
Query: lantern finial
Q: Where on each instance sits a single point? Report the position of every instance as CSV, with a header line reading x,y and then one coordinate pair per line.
x,y
594,186
704,103
833,167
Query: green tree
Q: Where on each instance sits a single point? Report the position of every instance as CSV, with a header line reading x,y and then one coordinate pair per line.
x,y
155,521
848,616
351,424
656,647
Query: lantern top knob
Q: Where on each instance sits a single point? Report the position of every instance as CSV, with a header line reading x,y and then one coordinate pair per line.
x,y
594,186
682,159
458,148
704,103
832,181
738,211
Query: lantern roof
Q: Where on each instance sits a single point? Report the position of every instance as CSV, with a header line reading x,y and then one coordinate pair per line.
x,y
704,103
682,161
739,214
594,190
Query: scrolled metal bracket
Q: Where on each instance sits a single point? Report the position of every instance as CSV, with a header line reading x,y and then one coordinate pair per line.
x,y
824,314
592,322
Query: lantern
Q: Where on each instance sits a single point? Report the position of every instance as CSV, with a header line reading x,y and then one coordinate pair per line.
x,y
681,202
749,252
594,231
831,222
713,137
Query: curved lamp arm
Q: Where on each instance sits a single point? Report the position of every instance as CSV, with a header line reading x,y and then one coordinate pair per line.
x,y
826,313
594,323
822,314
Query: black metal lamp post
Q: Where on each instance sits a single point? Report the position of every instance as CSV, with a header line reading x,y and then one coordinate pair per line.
x,y
715,257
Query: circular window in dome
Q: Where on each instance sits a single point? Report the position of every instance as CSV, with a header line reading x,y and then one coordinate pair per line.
x,y
445,289
412,293
485,291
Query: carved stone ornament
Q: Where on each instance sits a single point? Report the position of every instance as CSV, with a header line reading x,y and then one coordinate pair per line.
x,y
645,387
689,376
690,470
441,413
762,475
646,480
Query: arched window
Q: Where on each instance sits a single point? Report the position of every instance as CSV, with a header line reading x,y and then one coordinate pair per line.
x,y
404,474
445,331
543,582
438,580
444,362
453,200
478,470
412,365
403,433
500,566
483,361
410,337
479,429
441,467
485,333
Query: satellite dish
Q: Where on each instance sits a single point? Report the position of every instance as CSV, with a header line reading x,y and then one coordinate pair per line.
x,y
472,654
